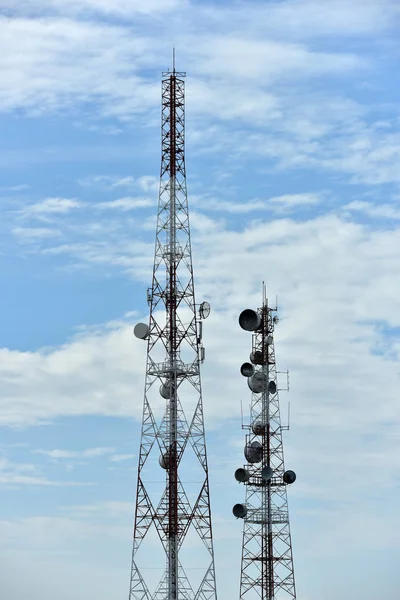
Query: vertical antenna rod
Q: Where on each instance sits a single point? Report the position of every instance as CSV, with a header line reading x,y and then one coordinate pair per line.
x,y
267,563
170,443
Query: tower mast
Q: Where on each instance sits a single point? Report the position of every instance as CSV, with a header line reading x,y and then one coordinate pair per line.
x,y
267,562
174,355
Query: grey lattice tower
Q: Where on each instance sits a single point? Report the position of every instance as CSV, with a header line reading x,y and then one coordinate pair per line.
x,y
172,502
267,563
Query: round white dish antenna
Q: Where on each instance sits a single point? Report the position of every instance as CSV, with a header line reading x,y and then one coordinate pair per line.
x,y
204,310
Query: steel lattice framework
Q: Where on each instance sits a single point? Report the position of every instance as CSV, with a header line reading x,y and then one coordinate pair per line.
x,y
267,562
174,355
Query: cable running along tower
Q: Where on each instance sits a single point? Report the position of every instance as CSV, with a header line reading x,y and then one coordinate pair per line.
x,y
267,563
171,508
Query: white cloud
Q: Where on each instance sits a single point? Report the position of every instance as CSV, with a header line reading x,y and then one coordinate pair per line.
x,y
308,19
294,124
208,203
243,58
119,8
293,200
328,272
123,181
20,188
34,234
70,53
145,183
88,453
22,474
127,203
69,371
376,211
284,203
323,267
121,457
148,183
107,181
51,206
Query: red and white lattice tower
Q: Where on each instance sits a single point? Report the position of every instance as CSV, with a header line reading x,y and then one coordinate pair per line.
x,y
267,562
172,521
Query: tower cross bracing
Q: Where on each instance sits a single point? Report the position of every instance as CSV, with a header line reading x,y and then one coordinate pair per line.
x,y
267,571
174,514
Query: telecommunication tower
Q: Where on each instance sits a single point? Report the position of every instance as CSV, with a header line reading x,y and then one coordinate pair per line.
x,y
267,562
173,448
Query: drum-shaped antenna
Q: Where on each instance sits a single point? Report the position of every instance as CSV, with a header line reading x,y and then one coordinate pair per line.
x,y
289,477
249,320
247,369
166,390
242,475
258,382
257,358
253,452
239,511
258,428
141,331
272,387
164,461
266,473
269,340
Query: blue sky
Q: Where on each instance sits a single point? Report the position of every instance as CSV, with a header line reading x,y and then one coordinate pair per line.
x,y
293,147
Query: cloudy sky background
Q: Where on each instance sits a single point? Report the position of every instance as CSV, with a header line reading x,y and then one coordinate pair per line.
x,y
293,148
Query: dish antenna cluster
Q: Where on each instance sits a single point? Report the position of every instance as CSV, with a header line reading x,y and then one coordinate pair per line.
x,y
267,563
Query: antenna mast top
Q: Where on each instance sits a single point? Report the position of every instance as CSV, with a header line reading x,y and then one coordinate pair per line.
x,y
173,72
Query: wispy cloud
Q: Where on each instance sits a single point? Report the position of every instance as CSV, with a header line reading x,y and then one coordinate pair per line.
x,y
284,203
126,204
51,206
33,234
107,181
121,457
146,183
88,453
119,8
375,211
14,474
20,187
287,202
293,125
